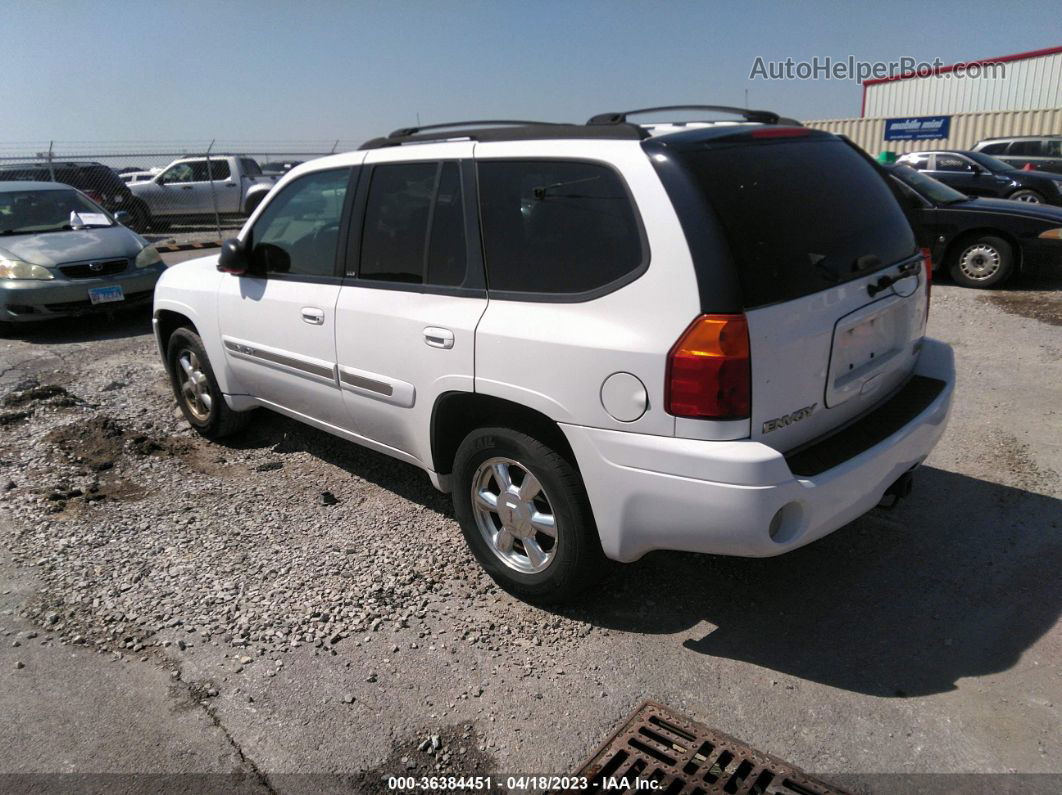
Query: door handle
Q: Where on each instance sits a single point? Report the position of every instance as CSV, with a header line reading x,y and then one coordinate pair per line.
x,y
313,315
186,187
438,337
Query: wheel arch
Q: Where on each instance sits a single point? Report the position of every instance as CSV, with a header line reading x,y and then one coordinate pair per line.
x,y
956,244
456,414
168,321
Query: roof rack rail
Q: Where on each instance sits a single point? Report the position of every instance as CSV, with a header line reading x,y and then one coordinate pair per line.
x,y
762,116
405,132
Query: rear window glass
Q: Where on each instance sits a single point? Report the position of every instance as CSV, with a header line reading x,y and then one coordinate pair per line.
x,y
800,216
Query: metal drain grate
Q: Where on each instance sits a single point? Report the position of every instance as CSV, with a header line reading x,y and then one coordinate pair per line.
x,y
683,757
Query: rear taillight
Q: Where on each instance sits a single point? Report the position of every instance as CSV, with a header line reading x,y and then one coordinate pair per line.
x,y
927,261
708,374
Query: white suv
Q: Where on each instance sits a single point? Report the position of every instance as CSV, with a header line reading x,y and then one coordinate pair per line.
x,y
603,339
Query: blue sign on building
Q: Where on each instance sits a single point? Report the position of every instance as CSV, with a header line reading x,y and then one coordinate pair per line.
x,y
917,128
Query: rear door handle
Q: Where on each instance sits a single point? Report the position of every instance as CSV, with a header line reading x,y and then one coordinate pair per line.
x,y
438,337
186,187
313,315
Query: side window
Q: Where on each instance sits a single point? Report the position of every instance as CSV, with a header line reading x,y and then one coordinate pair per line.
x,y
920,162
994,149
297,233
556,226
1025,148
953,163
182,172
1053,148
219,169
250,167
414,228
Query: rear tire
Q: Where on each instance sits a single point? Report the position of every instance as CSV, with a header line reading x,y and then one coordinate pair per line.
x,y
196,388
1026,195
539,542
140,217
982,262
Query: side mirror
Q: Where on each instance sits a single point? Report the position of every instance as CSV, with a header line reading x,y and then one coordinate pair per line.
x,y
123,217
234,258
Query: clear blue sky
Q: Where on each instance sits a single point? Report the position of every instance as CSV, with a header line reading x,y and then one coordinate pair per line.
x,y
154,70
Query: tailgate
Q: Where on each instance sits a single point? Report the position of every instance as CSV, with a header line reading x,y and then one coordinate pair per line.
x,y
821,361
831,281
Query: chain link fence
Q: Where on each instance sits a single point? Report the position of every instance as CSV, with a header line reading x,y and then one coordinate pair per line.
x,y
170,191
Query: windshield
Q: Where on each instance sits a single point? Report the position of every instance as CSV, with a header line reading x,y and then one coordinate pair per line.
x,y
927,186
31,211
989,162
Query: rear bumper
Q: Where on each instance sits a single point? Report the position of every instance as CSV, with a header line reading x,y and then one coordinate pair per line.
x,y
29,301
654,492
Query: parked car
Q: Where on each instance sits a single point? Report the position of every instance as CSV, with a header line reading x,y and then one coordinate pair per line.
x,y
121,172
602,339
1042,152
978,174
62,254
95,180
279,169
980,242
188,189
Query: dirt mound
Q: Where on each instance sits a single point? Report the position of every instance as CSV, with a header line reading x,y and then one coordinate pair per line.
x,y
96,443
30,392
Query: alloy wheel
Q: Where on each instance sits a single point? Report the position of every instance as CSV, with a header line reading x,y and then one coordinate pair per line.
x,y
514,515
195,387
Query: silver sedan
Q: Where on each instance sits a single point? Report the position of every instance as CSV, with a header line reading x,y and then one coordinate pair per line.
x,y
61,254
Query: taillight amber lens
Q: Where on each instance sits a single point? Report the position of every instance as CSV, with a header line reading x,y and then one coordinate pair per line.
x,y
708,372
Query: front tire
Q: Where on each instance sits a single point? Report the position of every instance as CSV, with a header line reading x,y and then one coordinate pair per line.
x,y
525,515
197,390
982,262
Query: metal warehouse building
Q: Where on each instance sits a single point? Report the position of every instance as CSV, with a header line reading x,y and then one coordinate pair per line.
x,y
958,105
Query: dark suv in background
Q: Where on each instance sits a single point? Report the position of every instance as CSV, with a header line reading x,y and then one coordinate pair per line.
x,y
97,181
1042,152
978,174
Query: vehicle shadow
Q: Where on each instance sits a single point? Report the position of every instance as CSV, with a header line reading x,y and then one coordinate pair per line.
x,y
957,581
120,324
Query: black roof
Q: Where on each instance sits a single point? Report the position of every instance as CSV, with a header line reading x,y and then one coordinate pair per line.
x,y
512,131
53,164
603,126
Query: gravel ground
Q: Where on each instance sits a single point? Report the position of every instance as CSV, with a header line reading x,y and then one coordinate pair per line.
x,y
317,603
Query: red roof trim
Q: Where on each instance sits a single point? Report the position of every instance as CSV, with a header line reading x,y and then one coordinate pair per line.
x,y
1021,56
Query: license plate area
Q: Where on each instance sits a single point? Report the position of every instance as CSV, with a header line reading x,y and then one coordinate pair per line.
x,y
106,295
868,344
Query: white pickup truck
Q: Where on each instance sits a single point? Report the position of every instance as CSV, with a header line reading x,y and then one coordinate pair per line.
x,y
202,187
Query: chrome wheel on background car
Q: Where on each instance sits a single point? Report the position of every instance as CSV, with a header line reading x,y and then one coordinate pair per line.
x,y
980,261
985,261
1030,196
514,515
195,388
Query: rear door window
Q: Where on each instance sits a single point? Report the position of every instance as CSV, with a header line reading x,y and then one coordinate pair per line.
x,y
800,216
219,169
994,149
556,227
1025,148
414,231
